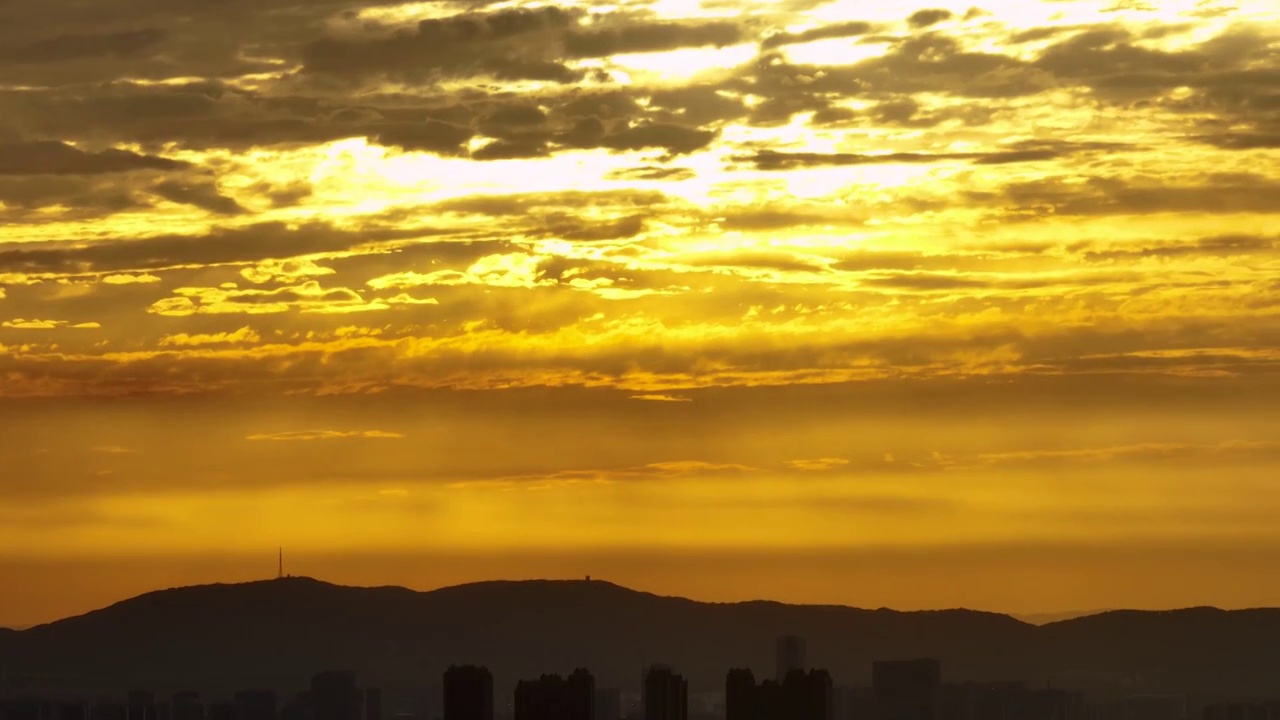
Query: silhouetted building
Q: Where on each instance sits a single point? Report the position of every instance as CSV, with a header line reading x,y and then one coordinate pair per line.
x,y
1242,711
256,705
791,656
906,689
1145,707
186,705
552,697
334,696
801,696
740,696
109,711
808,695
666,695
298,707
1007,701
223,711
142,705
608,704
23,709
468,693
70,711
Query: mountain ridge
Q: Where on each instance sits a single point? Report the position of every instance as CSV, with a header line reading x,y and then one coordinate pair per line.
x,y
275,633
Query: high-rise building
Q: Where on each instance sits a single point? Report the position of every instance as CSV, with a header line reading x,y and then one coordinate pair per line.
x,y
109,711
142,705
666,695
468,693
70,711
809,695
372,704
223,711
186,705
256,705
552,697
801,696
791,656
609,704
906,689
335,696
740,701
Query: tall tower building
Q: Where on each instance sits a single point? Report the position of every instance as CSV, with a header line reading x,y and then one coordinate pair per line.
x,y
666,695
791,656
468,693
334,696
906,689
552,697
256,705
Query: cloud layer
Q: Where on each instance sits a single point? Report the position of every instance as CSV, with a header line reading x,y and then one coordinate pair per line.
x,y
657,259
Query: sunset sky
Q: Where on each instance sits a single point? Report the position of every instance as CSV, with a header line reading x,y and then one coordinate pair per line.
x,y
912,304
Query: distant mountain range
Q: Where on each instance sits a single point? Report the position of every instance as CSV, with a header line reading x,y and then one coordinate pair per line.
x,y
1046,618
218,638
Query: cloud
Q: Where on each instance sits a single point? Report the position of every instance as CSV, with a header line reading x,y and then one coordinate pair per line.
x,y
645,37
252,243
659,471
127,279
1018,153
658,397
822,32
289,270
1222,245
309,435
114,450
57,158
926,18
74,47
818,464
308,297
1141,451
508,44
21,324
244,335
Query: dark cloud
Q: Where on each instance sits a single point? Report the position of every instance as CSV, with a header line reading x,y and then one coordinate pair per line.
x,y
825,32
652,173
1242,141
57,158
510,44
675,139
201,195
430,136
592,133
1109,61
1018,153
925,282
241,245
1223,245
650,37
696,105
1216,193
542,203
925,18
73,47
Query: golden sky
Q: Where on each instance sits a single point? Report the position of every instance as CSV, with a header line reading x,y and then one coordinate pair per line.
x,y
917,304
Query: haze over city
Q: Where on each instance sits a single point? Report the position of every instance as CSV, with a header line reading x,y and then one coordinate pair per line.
x,y
912,304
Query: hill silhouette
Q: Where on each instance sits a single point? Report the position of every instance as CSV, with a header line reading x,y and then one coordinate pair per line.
x,y
1052,617
276,633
